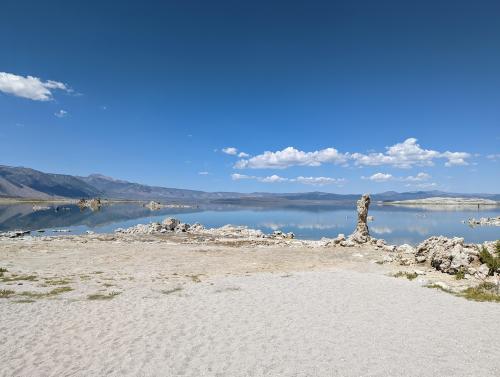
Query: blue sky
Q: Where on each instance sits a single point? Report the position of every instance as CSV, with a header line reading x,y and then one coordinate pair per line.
x,y
341,97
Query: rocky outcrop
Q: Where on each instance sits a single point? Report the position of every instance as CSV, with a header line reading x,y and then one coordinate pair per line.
x,y
405,254
14,233
94,204
278,234
361,234
153,206
449,255
226,231
170,223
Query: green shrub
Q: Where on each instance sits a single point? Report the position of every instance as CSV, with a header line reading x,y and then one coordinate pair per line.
x,y
460,274
493,262
408,275
439,287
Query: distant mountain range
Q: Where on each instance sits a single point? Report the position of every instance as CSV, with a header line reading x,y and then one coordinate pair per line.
x,y
20,182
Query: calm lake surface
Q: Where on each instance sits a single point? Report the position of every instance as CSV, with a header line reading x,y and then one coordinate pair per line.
x,y
394,224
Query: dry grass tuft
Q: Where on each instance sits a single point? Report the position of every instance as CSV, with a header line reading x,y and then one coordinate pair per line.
x,y
170,291
408,275
100,296
15,277
483,292
6,293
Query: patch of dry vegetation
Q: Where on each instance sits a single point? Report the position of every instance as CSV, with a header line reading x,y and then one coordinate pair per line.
x,y
57,281
483,292
6,293
15,277
408,275
195,278
101,296
52,293
170,291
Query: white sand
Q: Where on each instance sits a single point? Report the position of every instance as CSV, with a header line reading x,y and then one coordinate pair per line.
x,y
332,321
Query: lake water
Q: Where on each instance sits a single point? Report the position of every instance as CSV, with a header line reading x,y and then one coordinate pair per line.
x,y
394,224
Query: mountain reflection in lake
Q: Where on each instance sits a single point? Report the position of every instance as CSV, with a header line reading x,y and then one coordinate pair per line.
x,y
394,224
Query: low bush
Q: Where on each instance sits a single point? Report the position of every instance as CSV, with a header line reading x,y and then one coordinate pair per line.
x,y
492,261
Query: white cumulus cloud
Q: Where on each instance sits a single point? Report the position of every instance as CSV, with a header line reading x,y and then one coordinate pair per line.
x,y
273,179
493,157
418,178
30,87
316,181
292,157
61,113
379,177
401,155
384,177
408,154
319,181
237,177
230,150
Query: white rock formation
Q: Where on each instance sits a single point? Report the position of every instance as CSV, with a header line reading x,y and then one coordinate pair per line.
x,y
361,234
491,221
448,255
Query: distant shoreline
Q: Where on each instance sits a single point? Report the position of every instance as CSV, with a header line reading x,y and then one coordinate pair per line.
x,y
63,201
439,201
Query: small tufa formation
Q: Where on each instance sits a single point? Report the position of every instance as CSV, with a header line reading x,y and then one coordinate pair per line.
x,y
490,221
94,204
153,206
15,233
278,234
361,234
170,223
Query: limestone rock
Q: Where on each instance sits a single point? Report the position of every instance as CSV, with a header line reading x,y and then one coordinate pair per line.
x,y
491,221
482,272
389,248
361,234
94,204
337,240
153,206
405,249
170,223
282,235
449,255
182,227
15,233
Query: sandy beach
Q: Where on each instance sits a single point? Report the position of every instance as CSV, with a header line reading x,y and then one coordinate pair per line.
x,y
168,306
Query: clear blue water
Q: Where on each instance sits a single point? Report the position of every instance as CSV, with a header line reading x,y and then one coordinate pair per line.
x,y
394,224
